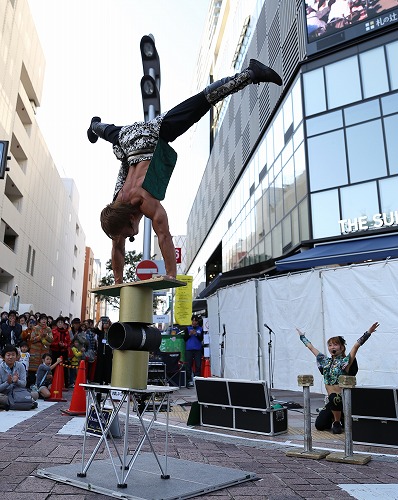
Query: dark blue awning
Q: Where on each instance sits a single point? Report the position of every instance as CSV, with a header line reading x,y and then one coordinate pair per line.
x,y
345,252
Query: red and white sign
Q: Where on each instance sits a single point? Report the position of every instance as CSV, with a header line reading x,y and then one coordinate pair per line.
x,y
178,255
146,269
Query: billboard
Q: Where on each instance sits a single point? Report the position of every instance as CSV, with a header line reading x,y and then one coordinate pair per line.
x,y
331,22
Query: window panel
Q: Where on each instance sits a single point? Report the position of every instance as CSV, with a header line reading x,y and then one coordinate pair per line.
x,y
327,161
314,92
366,156
324,123
287,113
388,194
300,173
389,104
343,82
325,214
289,192
390,128
392,60
362,112
358,201
297,104
373,63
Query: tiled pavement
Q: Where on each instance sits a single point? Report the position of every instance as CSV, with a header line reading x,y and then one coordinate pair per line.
x,y
36,443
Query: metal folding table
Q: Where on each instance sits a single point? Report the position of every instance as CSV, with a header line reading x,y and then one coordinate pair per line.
x,y
122,463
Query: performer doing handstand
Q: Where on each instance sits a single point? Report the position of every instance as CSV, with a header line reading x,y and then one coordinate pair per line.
x,y
332,367
147,162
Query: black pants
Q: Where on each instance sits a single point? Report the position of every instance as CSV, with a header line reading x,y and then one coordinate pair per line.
x,y
191,356
176,121
325,420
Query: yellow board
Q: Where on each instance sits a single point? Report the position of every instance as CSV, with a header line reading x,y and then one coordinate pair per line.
x,y
183,301
159,283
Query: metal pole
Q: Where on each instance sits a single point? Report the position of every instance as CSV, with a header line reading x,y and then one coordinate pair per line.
x,y
347,422
307,419
146,251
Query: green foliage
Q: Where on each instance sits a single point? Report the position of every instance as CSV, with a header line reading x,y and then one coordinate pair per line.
x,y
129,274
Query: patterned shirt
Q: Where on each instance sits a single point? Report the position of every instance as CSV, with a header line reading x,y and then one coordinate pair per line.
x,y
332,367
137,143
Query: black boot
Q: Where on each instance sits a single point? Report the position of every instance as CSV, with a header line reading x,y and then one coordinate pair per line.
x,y
92,137
106,131
256,72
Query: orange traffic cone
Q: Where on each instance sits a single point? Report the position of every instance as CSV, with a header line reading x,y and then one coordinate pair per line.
x,y
78,403
57,384
206,368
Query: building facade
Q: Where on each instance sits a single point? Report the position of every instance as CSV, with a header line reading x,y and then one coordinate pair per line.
x,y
313,162
42,241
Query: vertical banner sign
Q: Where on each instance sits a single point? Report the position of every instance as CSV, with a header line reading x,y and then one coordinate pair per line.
x,y
183,301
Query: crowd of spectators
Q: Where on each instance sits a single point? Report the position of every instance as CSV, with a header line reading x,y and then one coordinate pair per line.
x,y
43,342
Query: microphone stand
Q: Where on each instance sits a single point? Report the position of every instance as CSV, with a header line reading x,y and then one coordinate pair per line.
x,y
222,345
270,363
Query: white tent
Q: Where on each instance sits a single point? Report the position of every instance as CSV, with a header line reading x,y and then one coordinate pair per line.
x,y
322,303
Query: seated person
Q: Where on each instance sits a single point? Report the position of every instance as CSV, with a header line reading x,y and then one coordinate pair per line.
x,y
12,374
339,363
44,375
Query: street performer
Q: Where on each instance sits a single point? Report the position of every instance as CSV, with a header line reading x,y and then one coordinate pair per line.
x,y
147,162
332,366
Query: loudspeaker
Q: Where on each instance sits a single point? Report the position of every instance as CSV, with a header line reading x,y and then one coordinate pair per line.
x,y
374,402
375,431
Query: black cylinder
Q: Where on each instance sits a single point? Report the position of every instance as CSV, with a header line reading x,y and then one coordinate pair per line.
x,y
134,337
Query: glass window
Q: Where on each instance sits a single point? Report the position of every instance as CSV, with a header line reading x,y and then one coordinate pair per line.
x,y
343,82
298,137
304,220
287,113
324,123
389,104
287,152
388,194
279,138
392,59
278,198
362,112
390,128
297,104
270,146
300,172
266,212
327,161
359,201
325,214
277,241
366,155
314,92
295,227
373,63
289,192
286,233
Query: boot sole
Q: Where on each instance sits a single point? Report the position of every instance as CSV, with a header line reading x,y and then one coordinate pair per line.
x,y
264,73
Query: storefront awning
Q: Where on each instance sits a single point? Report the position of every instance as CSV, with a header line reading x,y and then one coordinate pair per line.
x,y
346,252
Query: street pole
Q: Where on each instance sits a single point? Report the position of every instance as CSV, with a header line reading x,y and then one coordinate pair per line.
x,y
150,90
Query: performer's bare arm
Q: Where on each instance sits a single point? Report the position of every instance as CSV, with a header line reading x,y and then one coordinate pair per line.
x,y
152,208
118,256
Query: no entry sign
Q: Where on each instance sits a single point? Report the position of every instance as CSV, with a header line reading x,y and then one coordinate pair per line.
x,y
146,269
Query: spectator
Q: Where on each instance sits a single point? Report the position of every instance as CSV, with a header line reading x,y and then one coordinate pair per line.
x,y
77,332
12,374
3,316
193,336
60,345
44,375
40,341
24,355
78,354
103,369
11,331
92,347
22,322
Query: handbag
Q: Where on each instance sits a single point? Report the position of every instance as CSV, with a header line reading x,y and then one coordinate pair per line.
x,y
19,398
